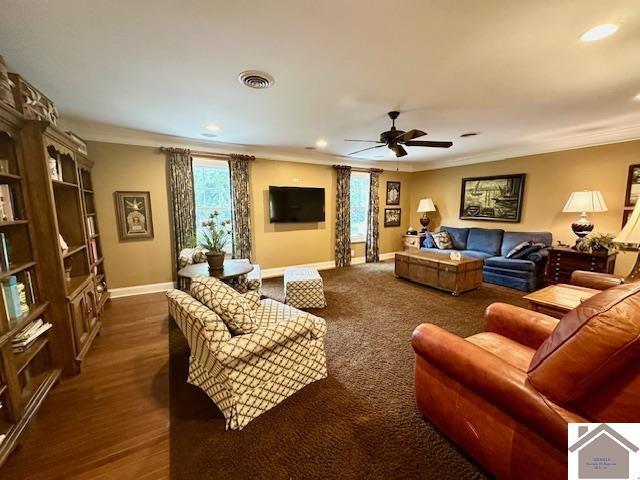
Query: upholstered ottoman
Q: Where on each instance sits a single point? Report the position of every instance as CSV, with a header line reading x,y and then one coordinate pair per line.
x,y
303,288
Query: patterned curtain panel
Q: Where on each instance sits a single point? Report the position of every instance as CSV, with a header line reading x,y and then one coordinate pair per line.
x,y
372,250
343,217
241,208
184,217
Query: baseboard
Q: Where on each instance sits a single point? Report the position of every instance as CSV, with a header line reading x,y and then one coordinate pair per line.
x,y
266,273
141,289
279,271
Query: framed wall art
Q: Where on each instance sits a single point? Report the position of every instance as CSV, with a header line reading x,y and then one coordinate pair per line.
x,y
133,213
633,186
392,217
496,198
393,193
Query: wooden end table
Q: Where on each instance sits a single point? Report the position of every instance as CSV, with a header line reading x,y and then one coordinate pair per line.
x,y
557,300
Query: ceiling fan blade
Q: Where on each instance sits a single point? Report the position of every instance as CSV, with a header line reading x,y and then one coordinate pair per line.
x,y
365,149
427,143
363,141
410,135
399,151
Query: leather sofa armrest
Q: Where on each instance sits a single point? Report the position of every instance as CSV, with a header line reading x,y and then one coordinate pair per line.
x,y
598,281
493,379
519,324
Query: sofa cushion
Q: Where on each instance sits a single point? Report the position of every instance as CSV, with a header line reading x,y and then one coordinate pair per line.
x,y
488,240
442,240
475,254
511,239
519,248
428,242
511,352
233,308
445,251
458,236
510,264
531,249
591,345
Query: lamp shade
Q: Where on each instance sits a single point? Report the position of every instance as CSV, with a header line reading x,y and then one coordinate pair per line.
x,y
631,231
586,201
426,205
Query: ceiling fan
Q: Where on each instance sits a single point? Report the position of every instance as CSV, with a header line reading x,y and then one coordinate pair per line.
x,y
394,139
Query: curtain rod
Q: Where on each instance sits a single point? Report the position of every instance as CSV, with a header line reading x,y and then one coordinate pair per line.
x,y
198,153
360,169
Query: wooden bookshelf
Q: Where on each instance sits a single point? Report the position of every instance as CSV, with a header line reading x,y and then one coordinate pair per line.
x,y
25,377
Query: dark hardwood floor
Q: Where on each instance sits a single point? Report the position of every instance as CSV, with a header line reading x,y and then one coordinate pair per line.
x,y
112,420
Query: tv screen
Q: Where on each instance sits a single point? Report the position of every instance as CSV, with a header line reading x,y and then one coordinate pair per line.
x,y
296,204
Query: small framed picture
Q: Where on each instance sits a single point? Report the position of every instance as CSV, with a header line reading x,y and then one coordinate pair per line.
x,y
633,186
392,217
393,193
133,211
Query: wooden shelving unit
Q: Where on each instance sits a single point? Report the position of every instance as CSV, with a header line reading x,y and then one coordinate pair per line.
x,y
25,377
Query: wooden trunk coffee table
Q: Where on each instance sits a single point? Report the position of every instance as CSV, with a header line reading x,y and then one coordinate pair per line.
x,y
557,300
438,270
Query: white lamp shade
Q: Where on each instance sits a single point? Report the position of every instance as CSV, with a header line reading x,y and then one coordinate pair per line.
x,y
586,201
426,205
631,231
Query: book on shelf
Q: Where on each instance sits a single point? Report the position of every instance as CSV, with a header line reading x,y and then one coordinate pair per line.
x,y
29,334
4,252
6,203
11,297
91,226
93,250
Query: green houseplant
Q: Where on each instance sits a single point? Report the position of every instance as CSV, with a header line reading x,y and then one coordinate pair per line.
x,y
214,237
597,243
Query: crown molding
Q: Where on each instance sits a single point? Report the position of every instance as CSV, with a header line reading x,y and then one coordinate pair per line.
x,y
100,132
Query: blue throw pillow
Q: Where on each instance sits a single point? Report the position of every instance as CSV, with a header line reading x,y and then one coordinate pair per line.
x,y
519,248
428,241
529,250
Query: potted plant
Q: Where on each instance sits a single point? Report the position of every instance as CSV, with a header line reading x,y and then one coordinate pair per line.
x,y
597,243
214,237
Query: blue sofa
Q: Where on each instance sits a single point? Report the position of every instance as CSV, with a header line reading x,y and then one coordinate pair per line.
x,y
492,245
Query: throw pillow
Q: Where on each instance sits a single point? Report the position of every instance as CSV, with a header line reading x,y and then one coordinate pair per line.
x,y
518,248
529,250
253,299
442,240
231,306
428,241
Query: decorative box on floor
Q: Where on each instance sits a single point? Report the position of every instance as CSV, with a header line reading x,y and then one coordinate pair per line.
x,y
303,288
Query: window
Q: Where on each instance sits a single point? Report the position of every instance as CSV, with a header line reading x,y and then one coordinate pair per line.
x,y
359,202
212,191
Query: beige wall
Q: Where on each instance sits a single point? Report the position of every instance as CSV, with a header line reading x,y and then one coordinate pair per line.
x,y
125,167
550,179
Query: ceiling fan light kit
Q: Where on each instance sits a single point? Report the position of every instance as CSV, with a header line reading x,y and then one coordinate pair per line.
x,y
394,139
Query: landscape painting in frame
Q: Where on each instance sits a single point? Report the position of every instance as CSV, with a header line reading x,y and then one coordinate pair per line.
x,y
633,186
392,217
134,215
497,198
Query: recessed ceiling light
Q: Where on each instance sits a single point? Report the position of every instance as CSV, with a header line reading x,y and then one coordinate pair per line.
x,y
469,134
209,135
321,143
599,32
213,128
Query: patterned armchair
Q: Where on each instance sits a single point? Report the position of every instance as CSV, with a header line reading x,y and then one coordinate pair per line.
x,y
246,375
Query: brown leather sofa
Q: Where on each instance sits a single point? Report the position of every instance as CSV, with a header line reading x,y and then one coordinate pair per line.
x,y
506,395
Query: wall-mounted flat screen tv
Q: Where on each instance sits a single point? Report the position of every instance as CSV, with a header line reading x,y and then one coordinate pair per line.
x,y
296,204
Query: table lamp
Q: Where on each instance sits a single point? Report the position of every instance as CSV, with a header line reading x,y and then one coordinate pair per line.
x,y
425,205
583,202
630,234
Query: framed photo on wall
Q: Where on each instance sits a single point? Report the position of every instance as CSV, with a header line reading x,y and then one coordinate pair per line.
x,y
633,186
392,217
495,198
133,213
393,193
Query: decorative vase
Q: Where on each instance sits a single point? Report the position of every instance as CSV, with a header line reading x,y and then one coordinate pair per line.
x,y
215,260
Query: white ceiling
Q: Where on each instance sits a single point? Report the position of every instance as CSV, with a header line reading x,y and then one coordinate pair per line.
x,y
514,70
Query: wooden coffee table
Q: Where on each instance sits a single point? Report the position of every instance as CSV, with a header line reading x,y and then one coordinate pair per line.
x,y
557,300
438,270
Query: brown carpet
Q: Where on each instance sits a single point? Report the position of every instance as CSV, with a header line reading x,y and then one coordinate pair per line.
x,y
359,423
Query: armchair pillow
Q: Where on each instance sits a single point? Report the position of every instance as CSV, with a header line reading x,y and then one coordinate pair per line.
x,y
234,309
442,240
253,299
518,248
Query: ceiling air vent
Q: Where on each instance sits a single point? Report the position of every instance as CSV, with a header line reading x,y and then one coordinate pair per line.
x,y
256,79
